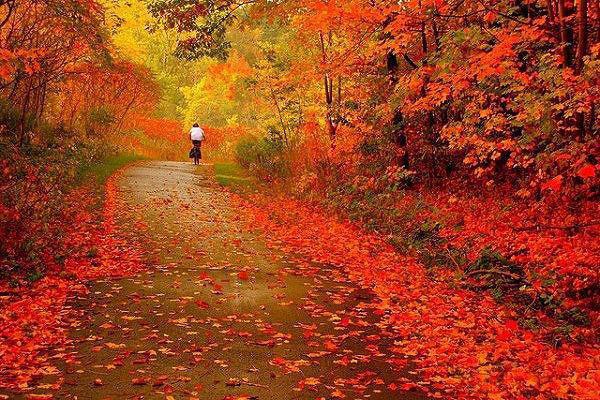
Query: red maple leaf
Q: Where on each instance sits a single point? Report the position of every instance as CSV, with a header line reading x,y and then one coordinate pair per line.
x,y
202,304
587,171
554,184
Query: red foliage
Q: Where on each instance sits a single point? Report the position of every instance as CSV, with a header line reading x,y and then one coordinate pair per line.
x,y
157,128
116,256
464,343
557,245
28,325
154,137
100,100
169,139
32,318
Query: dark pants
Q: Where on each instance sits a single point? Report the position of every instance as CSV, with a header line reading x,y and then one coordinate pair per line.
x,y
197,151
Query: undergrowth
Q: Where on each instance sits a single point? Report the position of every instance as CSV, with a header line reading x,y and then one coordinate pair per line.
x,y
35,181
413,227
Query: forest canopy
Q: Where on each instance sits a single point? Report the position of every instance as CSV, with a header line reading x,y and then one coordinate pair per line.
x,y
497,90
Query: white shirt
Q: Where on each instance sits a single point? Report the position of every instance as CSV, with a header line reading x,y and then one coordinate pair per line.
x,y
196,133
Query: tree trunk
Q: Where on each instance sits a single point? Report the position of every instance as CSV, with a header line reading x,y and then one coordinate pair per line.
x,y
596,12
550,10
410,62
582,35
328,87
566,32
398,134
280,114
582,44
400,139
436,34
424,40
24,114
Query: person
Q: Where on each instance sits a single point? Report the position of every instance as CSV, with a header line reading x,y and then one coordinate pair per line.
x,y
197,136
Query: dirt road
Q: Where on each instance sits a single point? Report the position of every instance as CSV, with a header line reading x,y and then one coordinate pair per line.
x,y
218,315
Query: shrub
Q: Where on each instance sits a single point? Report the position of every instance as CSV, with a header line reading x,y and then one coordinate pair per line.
x,y
267,158
34,180
246,151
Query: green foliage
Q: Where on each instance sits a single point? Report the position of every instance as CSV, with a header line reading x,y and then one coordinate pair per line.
x,y
138,38
100,169
93,252
427,231
205,24
489,259
205,102
246,151
265,157
370,146
34,276
575,316
13,123
233,176
494,268
101,115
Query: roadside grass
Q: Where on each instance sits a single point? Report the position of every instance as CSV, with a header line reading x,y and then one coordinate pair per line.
x,y
233,176
101,170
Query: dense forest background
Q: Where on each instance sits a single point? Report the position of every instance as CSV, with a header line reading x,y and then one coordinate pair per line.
x,y
465,131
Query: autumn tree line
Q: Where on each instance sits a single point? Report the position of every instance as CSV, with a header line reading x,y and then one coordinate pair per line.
x,y
65,93
488,89
464,130
58,66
